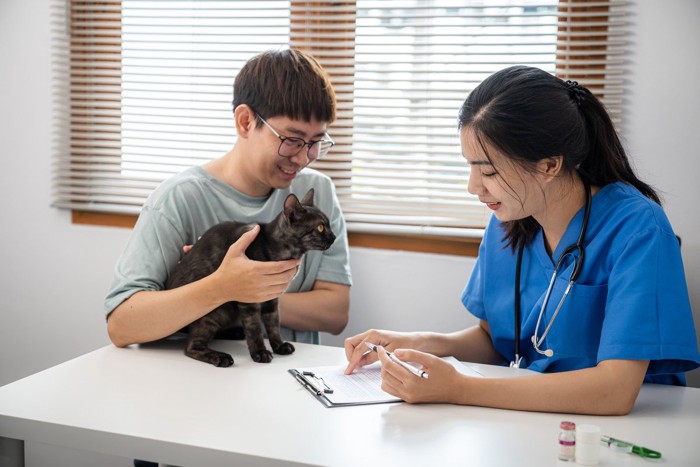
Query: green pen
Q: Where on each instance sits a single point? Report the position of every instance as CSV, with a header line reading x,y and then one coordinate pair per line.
x,y
624,446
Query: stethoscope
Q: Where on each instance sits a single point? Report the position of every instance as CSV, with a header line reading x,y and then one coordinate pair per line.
x,y
578,264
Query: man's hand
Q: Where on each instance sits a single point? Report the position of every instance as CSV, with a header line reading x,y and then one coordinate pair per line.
x,y
244,280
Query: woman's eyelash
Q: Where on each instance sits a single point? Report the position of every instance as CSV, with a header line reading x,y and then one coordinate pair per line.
x,y
490,174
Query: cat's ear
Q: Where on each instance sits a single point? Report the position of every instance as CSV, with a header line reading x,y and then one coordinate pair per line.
x,y
291,205
308,199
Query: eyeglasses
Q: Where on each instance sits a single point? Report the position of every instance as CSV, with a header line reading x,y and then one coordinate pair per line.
x,y
290,146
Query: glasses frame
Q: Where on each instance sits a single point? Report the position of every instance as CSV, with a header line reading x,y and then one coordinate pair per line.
x,y
308,144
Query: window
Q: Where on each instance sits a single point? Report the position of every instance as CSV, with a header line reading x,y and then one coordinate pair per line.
x,y
150,91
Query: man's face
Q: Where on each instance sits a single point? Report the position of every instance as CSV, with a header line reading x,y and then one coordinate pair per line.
x,y
269,167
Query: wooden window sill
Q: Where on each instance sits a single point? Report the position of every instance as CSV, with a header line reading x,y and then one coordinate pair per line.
x,y
417,243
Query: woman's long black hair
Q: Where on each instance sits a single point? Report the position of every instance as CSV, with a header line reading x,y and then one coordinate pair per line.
x,y
528,115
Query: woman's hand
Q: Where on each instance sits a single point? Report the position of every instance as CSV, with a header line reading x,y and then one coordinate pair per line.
x,y
442,384
359,355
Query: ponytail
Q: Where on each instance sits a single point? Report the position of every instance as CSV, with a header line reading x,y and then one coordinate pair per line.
x,y
607,161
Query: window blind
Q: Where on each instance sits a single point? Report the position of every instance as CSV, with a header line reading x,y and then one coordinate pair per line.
x,y
149,91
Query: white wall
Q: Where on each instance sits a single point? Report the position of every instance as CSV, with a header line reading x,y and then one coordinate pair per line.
x,y
53,275
662,129
405,292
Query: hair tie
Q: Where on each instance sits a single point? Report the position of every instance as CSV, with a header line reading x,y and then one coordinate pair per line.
x,y
576,92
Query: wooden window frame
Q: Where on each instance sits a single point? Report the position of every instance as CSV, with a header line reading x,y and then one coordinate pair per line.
x,y
416,243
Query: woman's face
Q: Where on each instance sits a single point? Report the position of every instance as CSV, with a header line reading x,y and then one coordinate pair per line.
x,y
509,190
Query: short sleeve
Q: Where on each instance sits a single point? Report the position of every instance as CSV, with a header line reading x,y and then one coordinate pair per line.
x,y
473,296
648,315
154,247
332,265
335,264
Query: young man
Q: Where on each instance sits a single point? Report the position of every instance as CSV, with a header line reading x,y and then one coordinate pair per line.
x,y
283,102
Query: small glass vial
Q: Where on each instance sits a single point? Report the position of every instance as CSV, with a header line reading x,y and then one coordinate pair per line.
x,y
587,444
567,440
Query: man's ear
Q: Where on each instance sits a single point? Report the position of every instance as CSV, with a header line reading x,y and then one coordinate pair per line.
x,y
550,167
245,120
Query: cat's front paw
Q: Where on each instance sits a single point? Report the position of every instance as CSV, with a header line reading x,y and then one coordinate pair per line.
x,y
264,356
221,360
285,348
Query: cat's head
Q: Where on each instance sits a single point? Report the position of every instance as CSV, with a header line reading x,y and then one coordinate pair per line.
x,y
307,223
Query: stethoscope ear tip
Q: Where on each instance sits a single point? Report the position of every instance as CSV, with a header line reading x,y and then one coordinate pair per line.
x,y
549,353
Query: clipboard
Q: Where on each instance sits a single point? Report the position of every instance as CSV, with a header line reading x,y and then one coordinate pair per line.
x,y
332,388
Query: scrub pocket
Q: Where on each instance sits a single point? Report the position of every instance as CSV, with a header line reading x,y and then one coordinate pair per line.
x,y
575,333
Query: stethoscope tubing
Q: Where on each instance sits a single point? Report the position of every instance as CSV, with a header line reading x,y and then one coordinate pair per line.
x,y
578,265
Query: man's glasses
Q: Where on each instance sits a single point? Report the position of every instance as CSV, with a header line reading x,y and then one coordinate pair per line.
x,y
290,146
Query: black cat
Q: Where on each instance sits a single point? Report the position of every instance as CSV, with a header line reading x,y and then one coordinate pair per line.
x,y
300,227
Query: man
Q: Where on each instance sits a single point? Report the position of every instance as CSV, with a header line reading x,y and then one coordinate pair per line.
x,y
283,102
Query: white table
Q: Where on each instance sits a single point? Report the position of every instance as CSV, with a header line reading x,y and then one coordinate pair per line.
x,y
152,402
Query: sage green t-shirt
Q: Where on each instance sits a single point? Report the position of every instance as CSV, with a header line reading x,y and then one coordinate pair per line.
x,y
183,207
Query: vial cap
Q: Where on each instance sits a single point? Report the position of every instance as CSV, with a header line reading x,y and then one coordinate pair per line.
x,y
566,425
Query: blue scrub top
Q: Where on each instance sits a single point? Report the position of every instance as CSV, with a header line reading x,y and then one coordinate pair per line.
x,y
630,301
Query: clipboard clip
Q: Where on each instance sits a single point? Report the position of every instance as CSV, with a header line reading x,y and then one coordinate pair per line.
x,y
325,388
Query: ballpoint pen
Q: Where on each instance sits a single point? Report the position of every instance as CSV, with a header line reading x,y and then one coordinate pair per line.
x,y
624,446
411,368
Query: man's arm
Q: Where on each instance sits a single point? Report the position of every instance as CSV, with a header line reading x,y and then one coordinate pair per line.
x,y
154,314
324,308
150,315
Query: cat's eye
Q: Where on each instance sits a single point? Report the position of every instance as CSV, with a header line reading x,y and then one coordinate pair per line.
x,y
320,228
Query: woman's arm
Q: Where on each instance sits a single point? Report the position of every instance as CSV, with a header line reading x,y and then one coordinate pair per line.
x,y
471,345
610,388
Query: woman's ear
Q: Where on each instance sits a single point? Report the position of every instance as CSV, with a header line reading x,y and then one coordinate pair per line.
x,y
550,167
245,118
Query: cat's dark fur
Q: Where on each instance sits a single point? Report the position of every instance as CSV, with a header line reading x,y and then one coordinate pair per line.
x,y
300,227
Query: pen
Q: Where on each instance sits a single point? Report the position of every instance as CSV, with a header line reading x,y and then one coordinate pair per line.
x,y
625,446
411,368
